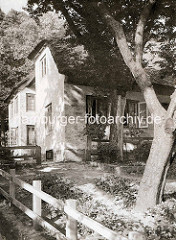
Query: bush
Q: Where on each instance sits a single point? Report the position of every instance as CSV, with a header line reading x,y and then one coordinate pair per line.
x,y
121,188
59,187
142,151
164,217
6,160
108,152
96,130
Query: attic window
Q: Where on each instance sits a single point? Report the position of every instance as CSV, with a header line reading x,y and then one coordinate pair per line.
x,y
43,65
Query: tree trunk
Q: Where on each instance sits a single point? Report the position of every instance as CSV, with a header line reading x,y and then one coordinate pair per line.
x,y
114,113
116,129
153,180
2,132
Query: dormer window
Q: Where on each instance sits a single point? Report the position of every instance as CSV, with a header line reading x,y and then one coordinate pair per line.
x,y
43,65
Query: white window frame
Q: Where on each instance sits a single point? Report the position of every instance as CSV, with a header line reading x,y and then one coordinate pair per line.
x,y
142,124
43,65
48,118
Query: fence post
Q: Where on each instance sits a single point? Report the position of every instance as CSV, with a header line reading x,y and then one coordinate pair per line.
x,y
71,224
12,185
37,202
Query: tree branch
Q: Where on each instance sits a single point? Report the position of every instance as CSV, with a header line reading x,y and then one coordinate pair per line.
x,y
142,79
139,35
172,105
70,21
118,33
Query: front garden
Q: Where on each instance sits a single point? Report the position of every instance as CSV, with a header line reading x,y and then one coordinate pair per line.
x,y
109,200
104,192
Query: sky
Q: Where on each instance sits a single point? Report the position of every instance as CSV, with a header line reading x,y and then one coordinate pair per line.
x,y
7,5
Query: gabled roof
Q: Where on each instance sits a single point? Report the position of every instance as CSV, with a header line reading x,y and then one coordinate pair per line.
x,y
29,80
122,74
83,73
40,46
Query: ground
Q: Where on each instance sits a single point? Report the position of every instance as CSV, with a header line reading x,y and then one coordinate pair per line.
x,y
84,178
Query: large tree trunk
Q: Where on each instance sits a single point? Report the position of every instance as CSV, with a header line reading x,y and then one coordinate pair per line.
x,y
153,180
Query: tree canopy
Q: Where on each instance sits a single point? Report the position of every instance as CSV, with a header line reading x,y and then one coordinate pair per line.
x,y
88,26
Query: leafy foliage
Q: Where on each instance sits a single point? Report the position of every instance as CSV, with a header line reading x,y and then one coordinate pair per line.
x,y
142,151
59,187
108,152
164,221
90,30
121,188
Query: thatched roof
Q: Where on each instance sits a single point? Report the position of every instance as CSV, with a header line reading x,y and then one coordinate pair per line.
x,y
75,63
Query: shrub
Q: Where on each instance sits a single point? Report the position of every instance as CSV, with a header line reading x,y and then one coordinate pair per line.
x,y
164,216
142,151
108,152
121,188
6,159
96,130
59,187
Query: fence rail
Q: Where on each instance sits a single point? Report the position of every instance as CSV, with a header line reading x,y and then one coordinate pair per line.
x,y
69,207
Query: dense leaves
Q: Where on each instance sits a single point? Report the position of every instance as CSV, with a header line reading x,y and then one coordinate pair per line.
x,y
90,30
121,188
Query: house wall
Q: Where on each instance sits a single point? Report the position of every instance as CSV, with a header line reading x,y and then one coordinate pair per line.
x,y
75,133
49,89
23,117
75,105
15,119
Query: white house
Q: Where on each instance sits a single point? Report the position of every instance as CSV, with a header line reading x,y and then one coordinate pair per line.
x,y
50,109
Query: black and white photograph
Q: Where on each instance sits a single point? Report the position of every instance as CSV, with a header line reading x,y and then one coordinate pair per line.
x,y
87,119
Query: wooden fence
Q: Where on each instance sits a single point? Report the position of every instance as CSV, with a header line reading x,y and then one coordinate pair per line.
x,y
69,207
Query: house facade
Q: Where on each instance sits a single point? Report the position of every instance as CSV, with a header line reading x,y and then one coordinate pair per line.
x,y
52,112
21,112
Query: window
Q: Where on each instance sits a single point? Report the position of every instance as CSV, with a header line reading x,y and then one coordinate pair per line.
x,y
30,102
49,155
30,135
48,118
43,66
96,106
143,114
14,136
136,114
16,105
131,112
